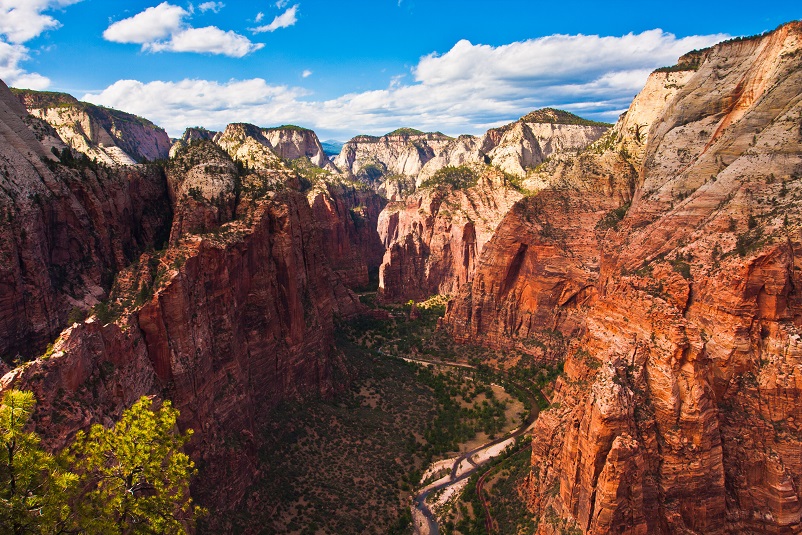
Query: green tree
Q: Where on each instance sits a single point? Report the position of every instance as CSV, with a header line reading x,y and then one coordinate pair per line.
x,y
134,476
33,488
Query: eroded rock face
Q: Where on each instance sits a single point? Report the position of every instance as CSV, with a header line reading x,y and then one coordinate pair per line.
x,y
108,136
66,231
403,152
225,325
434,237
679,408
514,148
203,186
261,148
538,271
348,219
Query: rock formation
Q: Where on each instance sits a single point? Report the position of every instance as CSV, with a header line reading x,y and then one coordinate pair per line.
x,y
406,153
518,147
234,316
348,216
402,153
434,237
103,134
679,408
66,231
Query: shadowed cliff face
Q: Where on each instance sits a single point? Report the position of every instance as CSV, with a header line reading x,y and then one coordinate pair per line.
x,y
66,230
434,237
232,317
679,408
225,324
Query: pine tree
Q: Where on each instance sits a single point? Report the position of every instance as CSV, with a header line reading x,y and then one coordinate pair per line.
x,y
134,476
33,488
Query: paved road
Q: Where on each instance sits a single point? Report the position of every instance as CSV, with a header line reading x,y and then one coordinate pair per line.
x,y
430,527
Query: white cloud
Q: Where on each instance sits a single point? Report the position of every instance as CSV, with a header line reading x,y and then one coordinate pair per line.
x,y
21,21
210,40
259,17
214,7
285,20
281,4
306,74
154,23
466,90
164,28
12,74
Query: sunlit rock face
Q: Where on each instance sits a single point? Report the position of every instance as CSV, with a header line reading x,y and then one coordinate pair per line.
x,y
679,409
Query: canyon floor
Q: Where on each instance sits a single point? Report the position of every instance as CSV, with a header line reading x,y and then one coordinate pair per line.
x,y
351,464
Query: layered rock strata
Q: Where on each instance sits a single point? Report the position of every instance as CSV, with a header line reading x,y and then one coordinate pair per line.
x,y
67,230
679,408
434,237
108,136
226,322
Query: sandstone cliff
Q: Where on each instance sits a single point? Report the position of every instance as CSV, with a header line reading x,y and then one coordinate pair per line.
x,y
348,217
434,237
227,321
66,231
520,146
394,162
108,136
679,408
402,152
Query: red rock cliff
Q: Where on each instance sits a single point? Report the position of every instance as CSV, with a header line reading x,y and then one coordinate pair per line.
x,y
66,231
679,408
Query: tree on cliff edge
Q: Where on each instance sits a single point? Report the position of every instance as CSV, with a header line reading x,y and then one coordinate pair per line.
x,y
131,478
33,488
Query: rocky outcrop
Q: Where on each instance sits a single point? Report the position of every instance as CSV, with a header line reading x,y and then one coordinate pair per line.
x,y
108,136
225,323
203,185
402,152
540,268
679,408
66,231
391,163
434,237
521,146
348,220
292,142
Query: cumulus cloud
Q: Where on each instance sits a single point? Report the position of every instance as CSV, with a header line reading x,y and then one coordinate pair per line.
x,y
466,90
259,17
306,74
285,20
154,23
214,7
210,39
21,21
164,28
14,75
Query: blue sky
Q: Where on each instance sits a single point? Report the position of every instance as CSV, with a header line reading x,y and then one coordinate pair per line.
x,y
351,67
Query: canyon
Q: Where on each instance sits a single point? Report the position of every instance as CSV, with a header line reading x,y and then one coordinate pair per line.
x,y
651,261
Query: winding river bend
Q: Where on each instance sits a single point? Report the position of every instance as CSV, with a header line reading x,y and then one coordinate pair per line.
x,y
466,464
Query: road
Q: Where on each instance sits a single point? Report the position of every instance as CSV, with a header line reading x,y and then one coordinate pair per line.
x,y
427,525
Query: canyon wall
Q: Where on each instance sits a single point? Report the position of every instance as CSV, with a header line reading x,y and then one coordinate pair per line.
x,y
109,136
434,237
679,407
234,315
66,231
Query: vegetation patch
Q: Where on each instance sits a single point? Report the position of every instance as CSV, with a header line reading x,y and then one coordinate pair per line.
x,y
462,177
